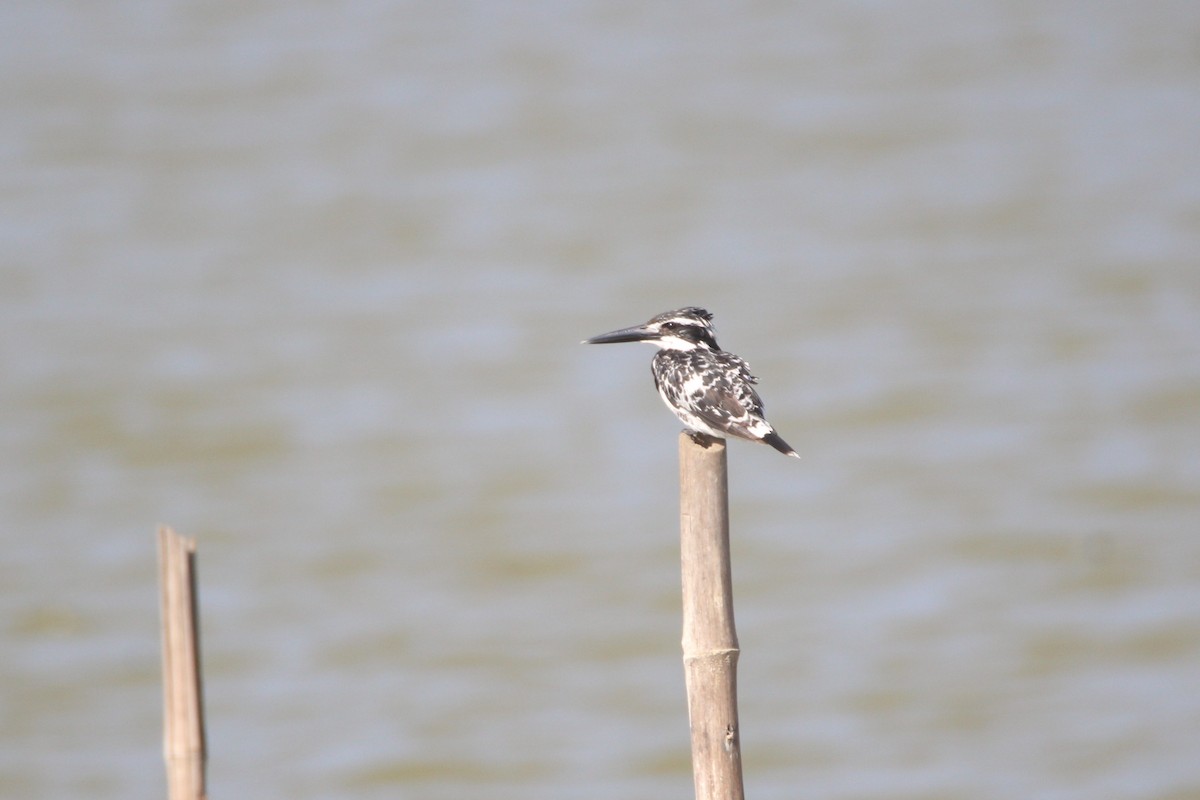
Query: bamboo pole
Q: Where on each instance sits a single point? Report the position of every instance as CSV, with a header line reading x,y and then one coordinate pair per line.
x,y
710,645
184,747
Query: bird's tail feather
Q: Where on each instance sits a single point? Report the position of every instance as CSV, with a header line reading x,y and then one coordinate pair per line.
x,y
776,441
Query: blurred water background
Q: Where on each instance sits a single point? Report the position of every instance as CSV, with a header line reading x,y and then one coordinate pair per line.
x,y
307,281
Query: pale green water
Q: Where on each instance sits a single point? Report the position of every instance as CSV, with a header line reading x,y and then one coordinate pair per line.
x,y
308,282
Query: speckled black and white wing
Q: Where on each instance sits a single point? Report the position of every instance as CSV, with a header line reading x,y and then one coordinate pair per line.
x,y
712,392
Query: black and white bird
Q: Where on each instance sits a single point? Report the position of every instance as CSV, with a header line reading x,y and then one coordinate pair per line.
x,y
710,390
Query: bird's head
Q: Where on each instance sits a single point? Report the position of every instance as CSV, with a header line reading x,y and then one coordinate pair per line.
x,y
683,329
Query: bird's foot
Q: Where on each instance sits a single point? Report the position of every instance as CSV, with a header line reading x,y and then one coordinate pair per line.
x,y
702,439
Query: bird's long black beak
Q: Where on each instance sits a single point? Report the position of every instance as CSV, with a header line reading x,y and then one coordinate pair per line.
x,y
638,333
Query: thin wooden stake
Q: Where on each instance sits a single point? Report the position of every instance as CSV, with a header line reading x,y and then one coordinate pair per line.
x,y
710,645
184,747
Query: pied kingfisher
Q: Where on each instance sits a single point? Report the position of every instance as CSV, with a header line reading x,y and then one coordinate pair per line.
x,y
710,390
